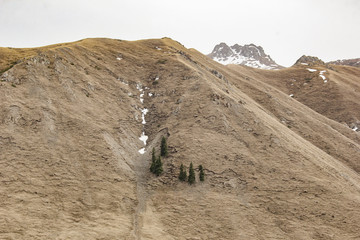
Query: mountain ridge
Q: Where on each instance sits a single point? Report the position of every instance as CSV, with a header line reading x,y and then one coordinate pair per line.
x,y
276,167
354,62
248,55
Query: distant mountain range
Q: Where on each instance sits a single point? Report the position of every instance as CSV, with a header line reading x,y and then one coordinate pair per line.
x,y
349,62
249,55
254,56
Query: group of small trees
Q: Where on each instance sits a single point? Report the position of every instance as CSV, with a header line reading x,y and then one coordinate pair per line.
x,y
191,178
157,166
156,163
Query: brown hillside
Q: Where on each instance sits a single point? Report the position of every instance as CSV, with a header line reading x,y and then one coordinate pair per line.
x,y
69,140
337,98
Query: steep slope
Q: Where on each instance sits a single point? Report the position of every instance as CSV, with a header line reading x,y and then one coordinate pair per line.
x,y
248,55
330,90
71,167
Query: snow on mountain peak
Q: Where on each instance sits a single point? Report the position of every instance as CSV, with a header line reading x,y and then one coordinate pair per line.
x,y
248,55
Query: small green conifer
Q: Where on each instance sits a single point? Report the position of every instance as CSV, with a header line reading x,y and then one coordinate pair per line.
x,y
158,166
182,175
201,174
163,147
191,178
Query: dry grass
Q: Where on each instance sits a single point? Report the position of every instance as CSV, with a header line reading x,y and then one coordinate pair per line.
x,y
275,168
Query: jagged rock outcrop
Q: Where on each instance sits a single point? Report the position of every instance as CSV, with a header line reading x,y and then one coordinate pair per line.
x,y
309,60
249,55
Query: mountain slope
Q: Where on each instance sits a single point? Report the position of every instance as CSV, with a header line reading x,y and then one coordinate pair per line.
x,y
248,55
71,168
329,90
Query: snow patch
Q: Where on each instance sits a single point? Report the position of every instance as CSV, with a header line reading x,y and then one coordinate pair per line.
x,y
355,128
139,87
150,94
242,60
291,95
119,58
143,113
321,74
311,70
306,64
143,138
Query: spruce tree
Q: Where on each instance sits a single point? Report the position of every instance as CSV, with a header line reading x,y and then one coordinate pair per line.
x,y
153,161
163,147
201,174
191,178
182,175
158,166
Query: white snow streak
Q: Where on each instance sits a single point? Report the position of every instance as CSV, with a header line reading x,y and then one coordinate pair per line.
x,y
321,74
144,111
143,138
311,70
238,59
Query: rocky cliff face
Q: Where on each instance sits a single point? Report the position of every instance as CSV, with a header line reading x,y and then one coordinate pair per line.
x,y
248,55
79,121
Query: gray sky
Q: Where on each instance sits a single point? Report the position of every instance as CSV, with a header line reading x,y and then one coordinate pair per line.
x,y
286,29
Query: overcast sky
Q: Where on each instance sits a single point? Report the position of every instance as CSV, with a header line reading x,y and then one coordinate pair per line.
x,y
286,29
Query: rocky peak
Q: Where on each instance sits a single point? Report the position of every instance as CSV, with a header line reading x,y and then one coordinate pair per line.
x,y
221,50
248,55
309,60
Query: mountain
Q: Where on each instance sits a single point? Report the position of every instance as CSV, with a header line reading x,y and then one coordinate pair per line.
x,y
309,61
79,121
347,62
248,55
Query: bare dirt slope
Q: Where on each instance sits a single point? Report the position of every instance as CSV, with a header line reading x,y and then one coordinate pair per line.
x,y
69,140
